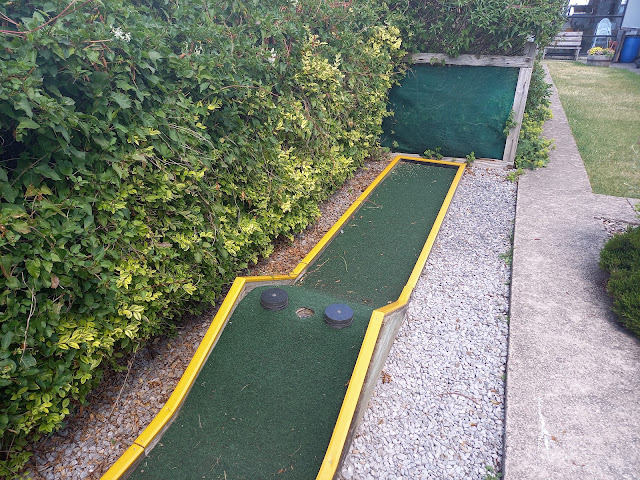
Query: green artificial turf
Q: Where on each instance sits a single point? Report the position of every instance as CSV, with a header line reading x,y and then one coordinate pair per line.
x,y
266,401
370,261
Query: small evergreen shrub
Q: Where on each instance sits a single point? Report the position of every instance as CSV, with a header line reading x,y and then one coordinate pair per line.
x,y
533,148
621,258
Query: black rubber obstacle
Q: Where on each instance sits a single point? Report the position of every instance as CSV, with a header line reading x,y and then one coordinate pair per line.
x,y
338,315
274,299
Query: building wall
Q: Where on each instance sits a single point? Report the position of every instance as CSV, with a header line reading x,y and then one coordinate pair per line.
x,y
632,15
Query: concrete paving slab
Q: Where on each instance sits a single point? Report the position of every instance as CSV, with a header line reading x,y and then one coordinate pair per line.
x,y
627,66
622,66
573,373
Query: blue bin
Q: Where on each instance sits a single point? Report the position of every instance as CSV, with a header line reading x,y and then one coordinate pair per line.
x,y
629,50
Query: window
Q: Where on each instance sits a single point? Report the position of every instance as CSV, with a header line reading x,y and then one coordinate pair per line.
x,y
599,20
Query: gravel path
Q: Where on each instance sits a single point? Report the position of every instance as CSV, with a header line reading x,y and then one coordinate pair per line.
x,y
438,407
438,410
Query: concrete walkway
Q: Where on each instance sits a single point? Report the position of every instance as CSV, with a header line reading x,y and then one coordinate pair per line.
x,y
573,374
621,66
626,66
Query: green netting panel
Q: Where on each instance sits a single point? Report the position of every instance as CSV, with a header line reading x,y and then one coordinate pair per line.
x,y
460,109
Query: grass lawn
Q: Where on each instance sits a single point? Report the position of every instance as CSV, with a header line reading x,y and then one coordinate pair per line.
x,y
603,108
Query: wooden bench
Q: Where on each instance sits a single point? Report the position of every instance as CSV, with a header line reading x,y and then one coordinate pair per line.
x,y
566,41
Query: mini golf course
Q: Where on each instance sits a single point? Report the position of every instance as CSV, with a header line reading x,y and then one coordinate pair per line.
x,y
278,395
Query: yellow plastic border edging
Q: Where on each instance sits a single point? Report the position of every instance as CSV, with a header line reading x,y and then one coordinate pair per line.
x,y
336,444
122,465
350,402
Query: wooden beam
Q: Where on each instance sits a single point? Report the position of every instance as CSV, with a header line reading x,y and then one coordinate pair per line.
x,y
530,51
477,60
519,102
470,60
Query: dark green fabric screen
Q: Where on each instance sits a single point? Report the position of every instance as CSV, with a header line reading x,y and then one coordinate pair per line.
x,y
459,109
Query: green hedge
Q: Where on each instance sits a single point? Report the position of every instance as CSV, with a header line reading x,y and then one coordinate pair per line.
x,y
150,151
621,258
484,27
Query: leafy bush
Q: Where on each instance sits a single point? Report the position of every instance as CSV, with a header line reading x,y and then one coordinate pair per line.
x,y
151,150
533,148
621,258
476,26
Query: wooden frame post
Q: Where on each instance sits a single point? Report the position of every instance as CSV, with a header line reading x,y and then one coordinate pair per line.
x,y
519,102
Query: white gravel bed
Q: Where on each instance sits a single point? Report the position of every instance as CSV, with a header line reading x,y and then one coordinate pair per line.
x,y
438,410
